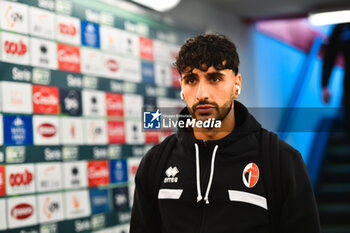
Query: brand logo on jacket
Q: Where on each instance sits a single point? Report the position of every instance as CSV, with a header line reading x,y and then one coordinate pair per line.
x,y
171,173
250,175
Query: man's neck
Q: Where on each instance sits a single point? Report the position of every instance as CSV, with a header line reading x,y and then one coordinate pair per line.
x,y
227,126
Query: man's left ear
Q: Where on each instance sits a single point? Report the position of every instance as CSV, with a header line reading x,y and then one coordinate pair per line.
x,y
237,80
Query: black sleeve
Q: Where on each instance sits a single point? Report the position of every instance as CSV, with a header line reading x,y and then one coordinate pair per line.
x,y
299,213
331,52
144,215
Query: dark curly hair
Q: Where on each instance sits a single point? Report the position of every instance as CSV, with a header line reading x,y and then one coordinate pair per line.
x,y
203,51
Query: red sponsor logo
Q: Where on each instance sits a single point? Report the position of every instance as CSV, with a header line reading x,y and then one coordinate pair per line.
x,y
114,104
2,181
22,211
146,48
98,173
21,178
112,65
68,58
15,48
12,17
133,169
47,130
45,99
151,136
116,132
175,77
67,29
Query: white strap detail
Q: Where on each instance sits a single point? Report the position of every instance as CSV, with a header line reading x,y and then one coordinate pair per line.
x,y
206,197
199,194
246,197
169,193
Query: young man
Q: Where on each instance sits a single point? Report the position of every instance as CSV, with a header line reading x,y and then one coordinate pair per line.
x,y
212,179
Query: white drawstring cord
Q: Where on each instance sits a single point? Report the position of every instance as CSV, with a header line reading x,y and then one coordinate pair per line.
x,y
199,195
206,199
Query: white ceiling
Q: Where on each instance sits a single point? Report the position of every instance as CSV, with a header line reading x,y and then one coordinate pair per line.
x,y
260,9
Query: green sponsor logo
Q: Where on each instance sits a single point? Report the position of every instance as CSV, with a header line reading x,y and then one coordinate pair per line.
x,y
52,154
90,82
130,87
64,7
50,228
100,152
41,76
19,74
98,221
70,153
15,154
114,152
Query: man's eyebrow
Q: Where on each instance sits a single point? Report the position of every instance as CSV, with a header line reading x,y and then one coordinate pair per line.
x,y
214,74
190,75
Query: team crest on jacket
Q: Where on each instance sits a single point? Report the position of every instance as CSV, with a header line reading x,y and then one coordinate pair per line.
x,y
250,175
171,173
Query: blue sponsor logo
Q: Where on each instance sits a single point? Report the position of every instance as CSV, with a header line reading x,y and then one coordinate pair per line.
x,y
99,201
121,198
152,120
18,130
90,34
147,72
119,171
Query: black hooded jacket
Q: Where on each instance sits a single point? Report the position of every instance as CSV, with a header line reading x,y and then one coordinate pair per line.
x,y
216,186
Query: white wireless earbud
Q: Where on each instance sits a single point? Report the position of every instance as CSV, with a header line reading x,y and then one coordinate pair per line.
x,y
181,95
238,89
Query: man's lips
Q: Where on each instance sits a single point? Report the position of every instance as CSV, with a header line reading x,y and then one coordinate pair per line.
x,y
204,109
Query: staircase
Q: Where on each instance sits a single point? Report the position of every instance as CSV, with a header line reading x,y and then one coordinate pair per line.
x,y
333,187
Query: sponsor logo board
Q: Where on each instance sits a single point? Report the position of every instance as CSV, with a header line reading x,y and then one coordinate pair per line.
x,y
99,201
116,132
146,48
1,135
48,176
94,103
46,130
68,58
121,228
95,131
14,16
90,34
3,222
77,204
131,70
147,72
20,179
91,61
163,75
16,97
114,104
121,198
130,44
18,130
42,23
134,134
75,174
70,101
68,29
50,207
43,53
119,171
98,173
133,110
15,48
111,39
21,211
71,130
133,165
112,66
45,99
2,181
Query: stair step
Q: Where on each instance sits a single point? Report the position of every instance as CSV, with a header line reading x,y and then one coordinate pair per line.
x,y
339,150
333,197
335,173
335,188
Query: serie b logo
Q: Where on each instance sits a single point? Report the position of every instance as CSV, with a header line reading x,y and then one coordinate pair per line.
x,y
250,175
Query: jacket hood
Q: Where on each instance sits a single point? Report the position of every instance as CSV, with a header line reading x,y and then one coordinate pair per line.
x,y
245,124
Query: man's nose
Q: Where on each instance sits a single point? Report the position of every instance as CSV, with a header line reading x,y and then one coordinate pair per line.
x,y
202,91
